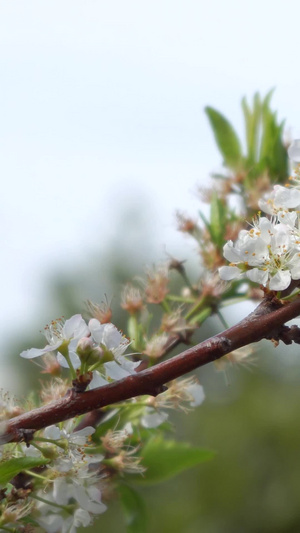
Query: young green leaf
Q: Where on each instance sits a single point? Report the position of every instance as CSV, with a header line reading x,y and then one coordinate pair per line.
x,y
164,459
226,138
217,220
134,509
252,123
12,467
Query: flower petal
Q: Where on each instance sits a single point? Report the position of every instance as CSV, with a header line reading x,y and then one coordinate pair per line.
x,y
229,272
75,328
280,281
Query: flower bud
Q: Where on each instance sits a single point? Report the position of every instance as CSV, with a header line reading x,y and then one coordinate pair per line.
x,y
88,352
84,347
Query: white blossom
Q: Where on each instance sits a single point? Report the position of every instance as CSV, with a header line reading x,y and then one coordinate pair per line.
x,y
58,333
267,254
76,438
108,337
280,200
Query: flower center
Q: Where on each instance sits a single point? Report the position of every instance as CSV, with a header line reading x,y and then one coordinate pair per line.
x,y
54,331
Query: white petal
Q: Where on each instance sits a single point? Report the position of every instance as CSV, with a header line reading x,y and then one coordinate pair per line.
x,y
280,281
295,271
97,381
230,253
75,328
81,496
82,433
96,330
81,518
97,507
288,218
73,357
112,337
287,197
281,240
153,419
266,205
258,276
115,371
32,353
51,523
197,392
31,451
52,432
36,352
75,360
67,526
62,361
257,252
229,272
61,491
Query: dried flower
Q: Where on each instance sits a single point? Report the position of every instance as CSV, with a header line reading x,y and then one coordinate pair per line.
x,y
155,347
238,356
132,300
53,390
157,284
102,312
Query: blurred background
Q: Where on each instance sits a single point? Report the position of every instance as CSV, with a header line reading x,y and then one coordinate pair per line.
x,y
103,138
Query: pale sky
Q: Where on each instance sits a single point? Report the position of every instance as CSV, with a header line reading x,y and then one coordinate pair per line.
x,y
102,101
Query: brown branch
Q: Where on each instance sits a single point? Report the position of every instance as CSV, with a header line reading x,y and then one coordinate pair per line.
x,y
268,317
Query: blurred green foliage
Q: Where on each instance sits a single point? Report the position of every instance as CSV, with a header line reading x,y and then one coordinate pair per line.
x,y
265,150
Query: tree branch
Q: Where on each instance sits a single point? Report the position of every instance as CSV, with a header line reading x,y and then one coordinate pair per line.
x,y
264,322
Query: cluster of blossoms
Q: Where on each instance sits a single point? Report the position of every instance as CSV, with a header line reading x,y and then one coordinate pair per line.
x,y
269,253
87,347
77,467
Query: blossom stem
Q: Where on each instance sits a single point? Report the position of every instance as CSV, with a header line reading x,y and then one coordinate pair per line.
x,y
68,509
222,319
67,357
183,299
165,306
51,441
37,476
195,309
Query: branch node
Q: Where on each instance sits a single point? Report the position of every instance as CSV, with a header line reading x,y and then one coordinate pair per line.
x,y
286,334
156,390
26,435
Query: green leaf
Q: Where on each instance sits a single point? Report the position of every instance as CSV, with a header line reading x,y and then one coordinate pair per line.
x,y
252,120
226,138
205,221
164,459
273,152
134,509
269,129
217,220
12,467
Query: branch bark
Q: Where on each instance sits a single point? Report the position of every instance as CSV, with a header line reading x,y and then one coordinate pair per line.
x,y
264,322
